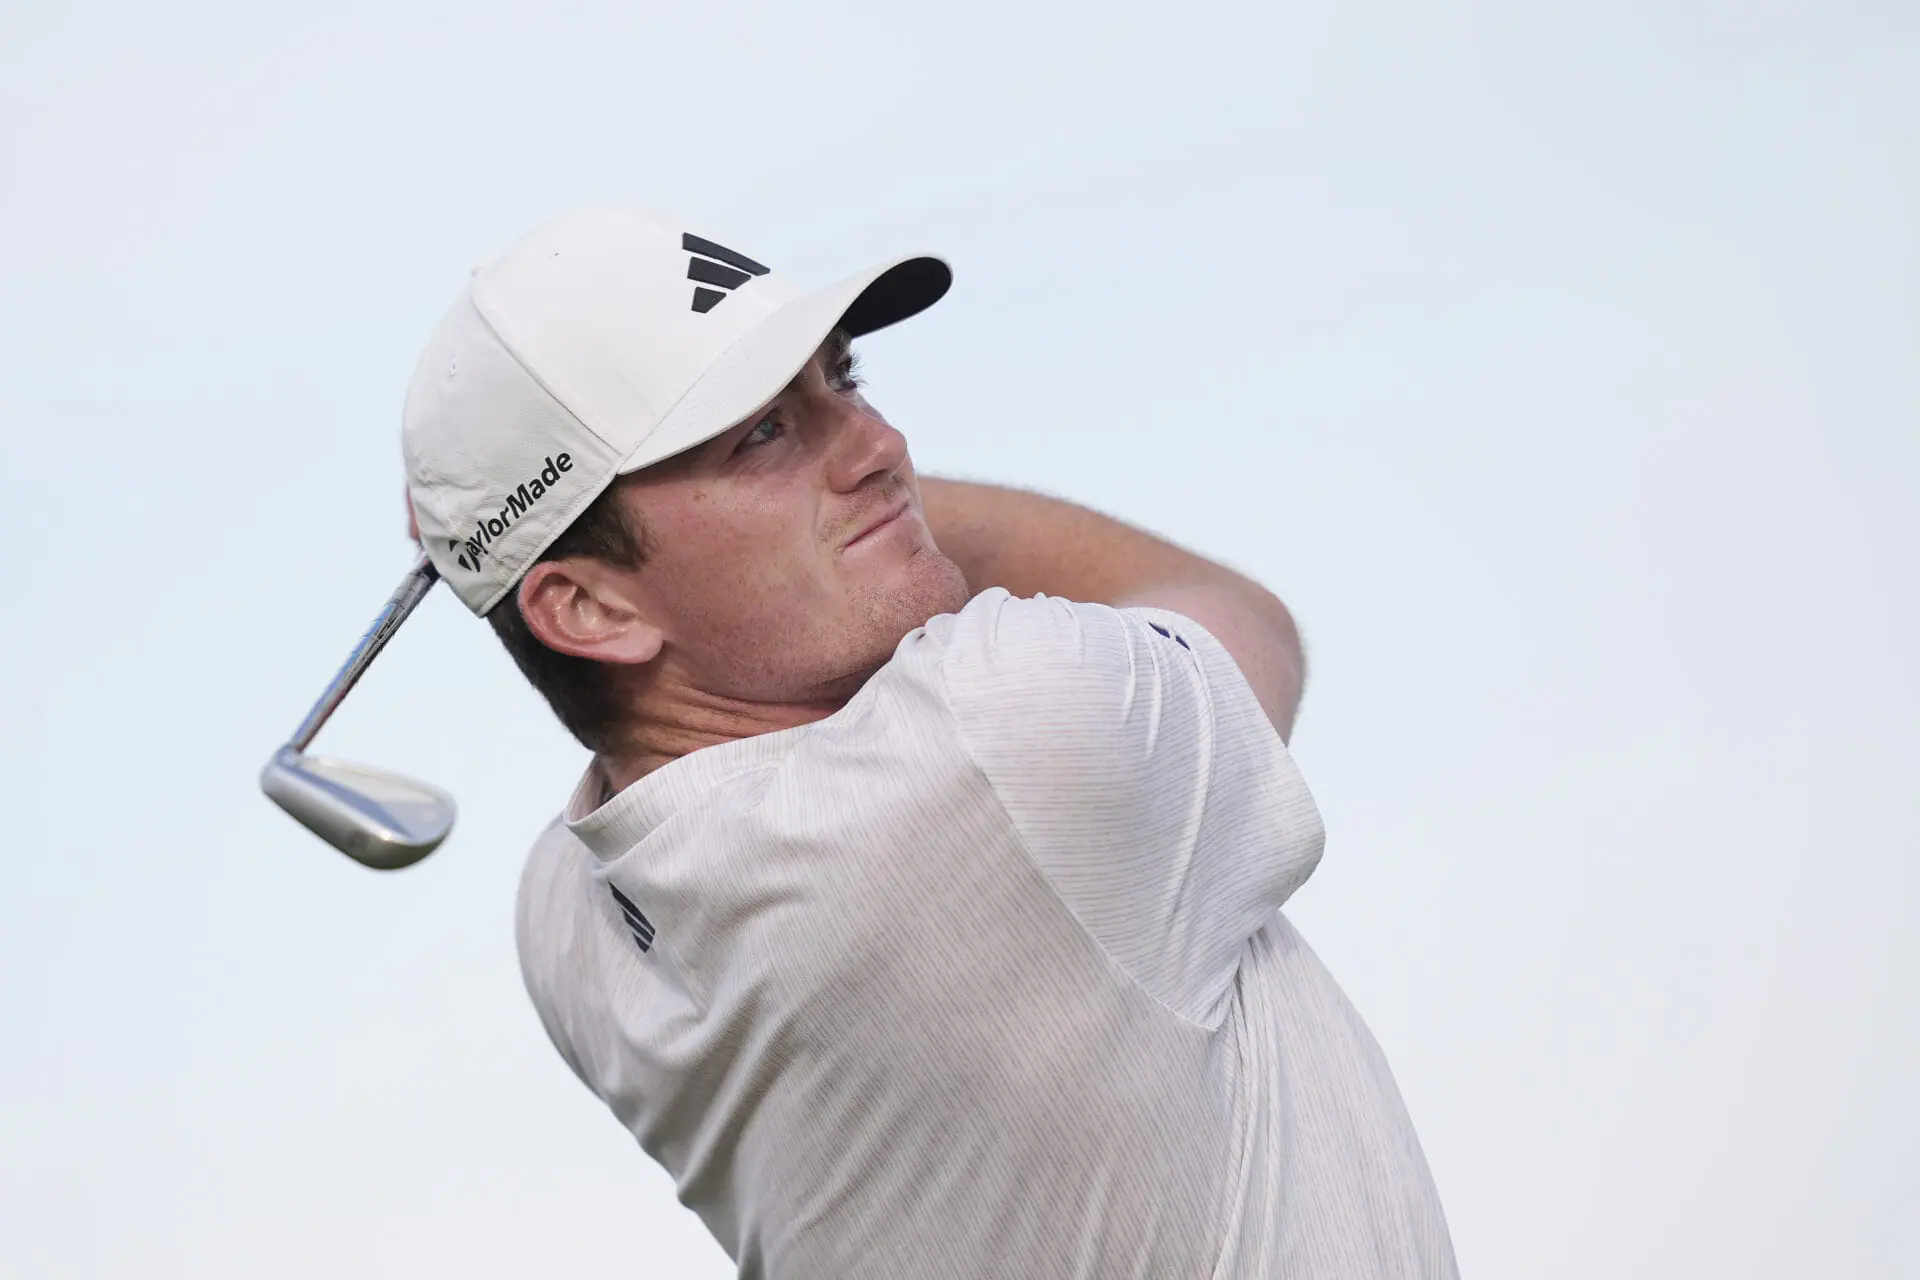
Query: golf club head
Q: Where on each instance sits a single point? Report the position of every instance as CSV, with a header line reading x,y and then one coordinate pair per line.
x,y
379,819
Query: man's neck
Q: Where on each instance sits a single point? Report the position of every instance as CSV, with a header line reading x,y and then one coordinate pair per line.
x,y
671,719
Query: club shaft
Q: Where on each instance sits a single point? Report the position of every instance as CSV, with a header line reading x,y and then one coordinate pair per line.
x,y
412,590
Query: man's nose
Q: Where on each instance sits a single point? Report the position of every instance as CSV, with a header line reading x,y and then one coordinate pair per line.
x,y
861,445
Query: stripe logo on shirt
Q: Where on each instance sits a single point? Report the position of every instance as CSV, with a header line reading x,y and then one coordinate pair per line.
x,y
637,922
1179,640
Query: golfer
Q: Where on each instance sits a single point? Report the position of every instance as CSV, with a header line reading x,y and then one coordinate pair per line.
x,y
920,911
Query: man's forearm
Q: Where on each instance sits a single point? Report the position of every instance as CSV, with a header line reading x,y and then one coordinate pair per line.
x,y
1030,544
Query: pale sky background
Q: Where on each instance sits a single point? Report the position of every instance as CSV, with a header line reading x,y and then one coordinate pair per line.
x,y
1556,363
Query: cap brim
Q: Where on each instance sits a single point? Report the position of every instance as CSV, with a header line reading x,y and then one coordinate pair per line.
x,y
765,359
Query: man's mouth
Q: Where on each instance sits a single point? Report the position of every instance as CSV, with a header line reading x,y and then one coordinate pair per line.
x,y
893,512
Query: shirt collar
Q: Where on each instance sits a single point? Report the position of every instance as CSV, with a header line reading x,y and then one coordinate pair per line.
x,y
611,825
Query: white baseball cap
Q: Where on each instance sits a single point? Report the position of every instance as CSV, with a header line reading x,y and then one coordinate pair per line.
x,y
601,343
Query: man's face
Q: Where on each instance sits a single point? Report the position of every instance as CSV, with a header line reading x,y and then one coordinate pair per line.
x,y
788,556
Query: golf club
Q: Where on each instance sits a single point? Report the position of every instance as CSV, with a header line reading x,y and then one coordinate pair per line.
x,y
379,819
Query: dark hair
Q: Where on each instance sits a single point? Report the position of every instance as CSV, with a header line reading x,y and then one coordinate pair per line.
x,y
577,689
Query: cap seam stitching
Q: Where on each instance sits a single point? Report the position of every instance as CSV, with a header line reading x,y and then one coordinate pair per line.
x,y
481,309
516,571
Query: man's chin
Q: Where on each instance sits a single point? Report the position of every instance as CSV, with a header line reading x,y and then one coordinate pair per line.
x,y
922,586
938,586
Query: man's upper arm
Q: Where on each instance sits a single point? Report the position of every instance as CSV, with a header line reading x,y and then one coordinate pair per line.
x,y
1144,776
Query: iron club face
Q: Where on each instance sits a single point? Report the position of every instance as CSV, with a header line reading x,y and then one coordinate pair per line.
x,y
379,819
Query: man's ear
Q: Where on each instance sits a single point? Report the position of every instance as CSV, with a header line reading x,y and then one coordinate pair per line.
x,y
589,609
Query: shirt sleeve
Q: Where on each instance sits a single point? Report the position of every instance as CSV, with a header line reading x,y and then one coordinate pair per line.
x,y
1152,790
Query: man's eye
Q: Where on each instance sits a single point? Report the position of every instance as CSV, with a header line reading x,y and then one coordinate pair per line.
x,y
847,376
765,431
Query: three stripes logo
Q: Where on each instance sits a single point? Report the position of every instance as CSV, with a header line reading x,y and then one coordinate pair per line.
x,y
716,264
1177,639
637,922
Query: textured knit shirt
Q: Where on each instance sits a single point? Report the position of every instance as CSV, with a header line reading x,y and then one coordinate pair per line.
x,y
985,975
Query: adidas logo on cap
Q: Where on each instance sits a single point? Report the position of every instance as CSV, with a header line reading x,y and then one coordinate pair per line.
x,y
716,264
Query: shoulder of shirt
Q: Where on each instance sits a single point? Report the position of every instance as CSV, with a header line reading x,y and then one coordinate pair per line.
x,y
997,616
554,937
997,625
556,851
1055,689
1002,644
548,899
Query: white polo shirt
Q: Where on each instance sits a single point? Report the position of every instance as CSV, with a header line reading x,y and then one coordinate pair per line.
x,y
985,975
